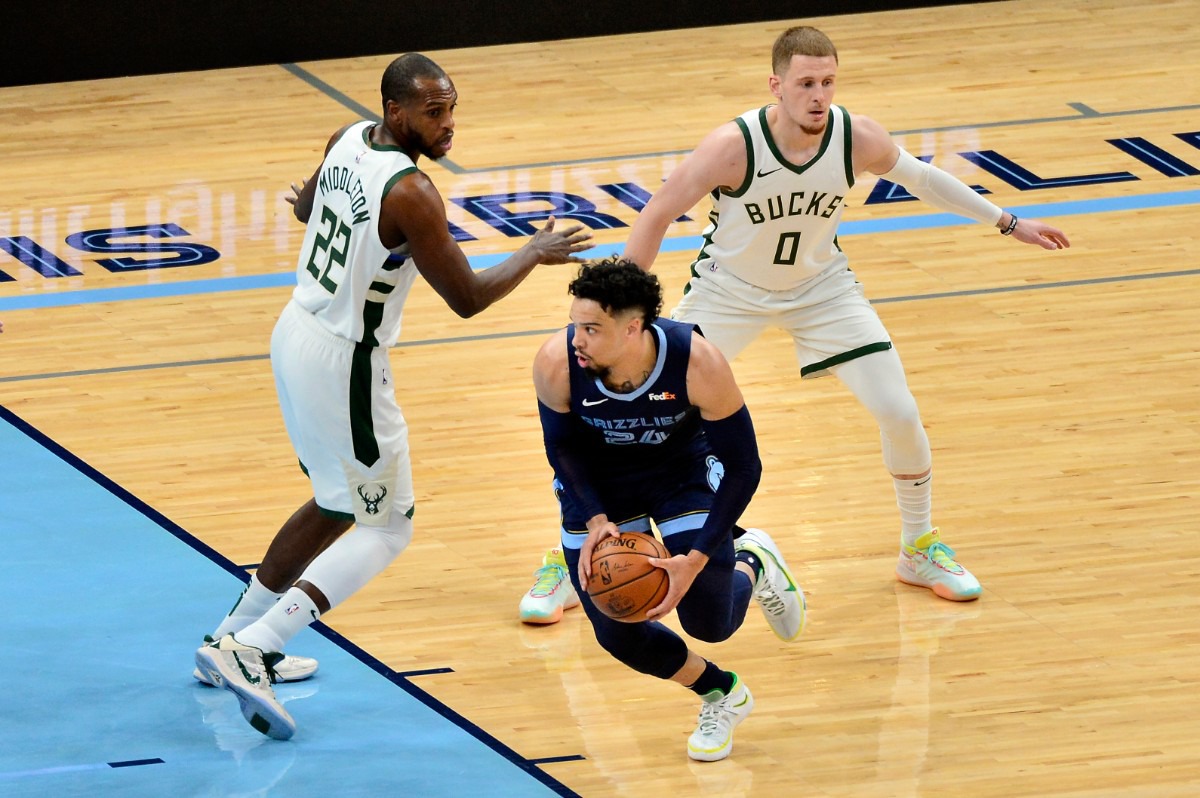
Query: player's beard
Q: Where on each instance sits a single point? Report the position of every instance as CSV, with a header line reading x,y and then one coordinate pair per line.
x,y
600,372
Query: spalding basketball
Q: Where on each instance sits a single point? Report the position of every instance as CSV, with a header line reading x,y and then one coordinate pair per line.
x,y
624,585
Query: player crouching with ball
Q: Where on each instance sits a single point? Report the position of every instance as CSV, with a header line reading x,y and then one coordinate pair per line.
x,y
642,422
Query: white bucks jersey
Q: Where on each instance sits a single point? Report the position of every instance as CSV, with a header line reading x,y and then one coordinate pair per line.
x,y
345,276
778,229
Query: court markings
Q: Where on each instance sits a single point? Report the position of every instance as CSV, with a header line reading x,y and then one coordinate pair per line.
x,y
105,600
677,244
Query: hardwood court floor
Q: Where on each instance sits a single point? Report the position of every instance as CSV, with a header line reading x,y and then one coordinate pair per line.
x,y
1059,389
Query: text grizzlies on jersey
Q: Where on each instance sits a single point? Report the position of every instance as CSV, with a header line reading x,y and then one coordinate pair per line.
x,y
795,206
339,178
632,423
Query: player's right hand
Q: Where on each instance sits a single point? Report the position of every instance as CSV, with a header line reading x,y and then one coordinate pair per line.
x,y
296,189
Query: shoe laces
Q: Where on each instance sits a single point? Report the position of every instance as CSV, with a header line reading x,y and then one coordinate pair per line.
x,y
770,600
941,554
713,718
270,660
549,577
768,596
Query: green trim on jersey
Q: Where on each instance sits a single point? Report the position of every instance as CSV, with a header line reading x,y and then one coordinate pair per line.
x,y
366,135
394,179
816,369
846,144
791,167
713,217
372,317
749,178
362,425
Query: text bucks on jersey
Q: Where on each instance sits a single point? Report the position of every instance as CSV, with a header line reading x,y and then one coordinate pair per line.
x,y
778,229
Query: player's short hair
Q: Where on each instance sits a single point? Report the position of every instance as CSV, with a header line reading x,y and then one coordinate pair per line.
x,y
399,81
800,40
617,285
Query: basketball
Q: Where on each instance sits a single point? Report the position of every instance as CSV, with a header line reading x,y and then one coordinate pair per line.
x,y
624,585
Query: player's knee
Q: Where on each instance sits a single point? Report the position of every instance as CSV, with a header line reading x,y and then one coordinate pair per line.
x,y
899,417
633,651
392,538
358,556
707,631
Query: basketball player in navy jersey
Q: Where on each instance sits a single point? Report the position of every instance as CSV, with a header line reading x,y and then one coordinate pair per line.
x,y
374,220
642,422
778,176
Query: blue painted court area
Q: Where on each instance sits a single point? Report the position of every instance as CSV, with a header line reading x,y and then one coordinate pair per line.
x,y
104,603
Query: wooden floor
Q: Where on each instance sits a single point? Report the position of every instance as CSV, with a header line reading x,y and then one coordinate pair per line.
x,y
1061,391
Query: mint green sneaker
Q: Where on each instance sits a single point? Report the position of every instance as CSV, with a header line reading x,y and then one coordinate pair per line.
x,y
552,591
930,563
719,714
776,591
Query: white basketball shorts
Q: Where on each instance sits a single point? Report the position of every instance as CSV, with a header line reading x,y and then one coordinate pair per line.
x,y
829,318
339,405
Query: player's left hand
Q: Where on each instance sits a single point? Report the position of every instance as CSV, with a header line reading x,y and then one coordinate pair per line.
x,y
1031,231
681,571
599,527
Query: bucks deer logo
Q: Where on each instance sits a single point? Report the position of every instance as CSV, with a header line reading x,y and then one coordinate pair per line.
x,y
372,502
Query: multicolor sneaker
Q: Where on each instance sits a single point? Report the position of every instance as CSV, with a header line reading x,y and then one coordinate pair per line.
x,y
288,669
713,738
776,591
246,672
930,563
551,593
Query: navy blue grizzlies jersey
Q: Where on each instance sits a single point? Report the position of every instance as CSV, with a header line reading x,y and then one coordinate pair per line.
x,y
647,429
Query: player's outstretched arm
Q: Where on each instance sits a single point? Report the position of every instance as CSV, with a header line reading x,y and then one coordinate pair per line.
x,y
875,152
413,211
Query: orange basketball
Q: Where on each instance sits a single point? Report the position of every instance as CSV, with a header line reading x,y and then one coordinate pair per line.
x,y
624,585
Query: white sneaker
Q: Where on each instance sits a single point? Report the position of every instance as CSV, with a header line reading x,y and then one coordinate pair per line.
x,y
713,738
288,669
930,563
781,599
552,592
243,671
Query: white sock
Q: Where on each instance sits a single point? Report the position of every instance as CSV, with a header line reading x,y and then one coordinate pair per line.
x,y
914,497
281,623
255,600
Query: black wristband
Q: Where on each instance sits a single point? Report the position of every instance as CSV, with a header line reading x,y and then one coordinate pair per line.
x,y
1012,225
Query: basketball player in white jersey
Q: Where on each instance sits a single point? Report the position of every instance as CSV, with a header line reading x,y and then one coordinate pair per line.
x,y
778,176
373,221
